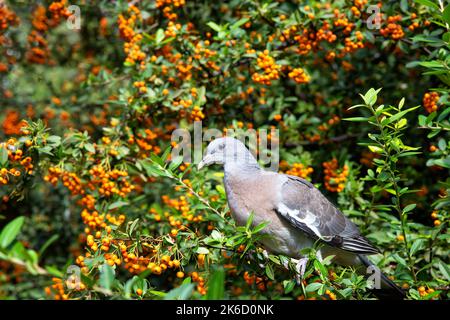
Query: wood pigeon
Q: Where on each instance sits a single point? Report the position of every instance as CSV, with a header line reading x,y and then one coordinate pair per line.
x,y
298,213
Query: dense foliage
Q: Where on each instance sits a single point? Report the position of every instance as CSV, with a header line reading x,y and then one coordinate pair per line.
x,y
91,91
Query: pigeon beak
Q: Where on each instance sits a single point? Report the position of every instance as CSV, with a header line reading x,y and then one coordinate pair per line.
x,y
207,160
200,165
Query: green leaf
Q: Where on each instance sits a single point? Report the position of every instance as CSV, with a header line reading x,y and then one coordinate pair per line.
x,y
239,23
383,176
375,149
445,163
89,147
10,232
175,163
446,14
428,3
346,292
433,133
54,141
397,116
445,270
401,103
409,153
3,155
403,122
107,275
404,5
371,96
214,26
151,169
48,243
18,251
154,158
166,154
183,292
409,207
132,226
321,268
216,285
416,246
446,37
128,285
423,120
356,106
202,250
159,37
260,226
328,259
443,114
269,272
442,144
431,295
312,287
249,221
357,119
288,286
160,294
54,271
117,204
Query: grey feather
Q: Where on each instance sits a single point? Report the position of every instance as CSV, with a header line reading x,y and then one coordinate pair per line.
x,y
308,209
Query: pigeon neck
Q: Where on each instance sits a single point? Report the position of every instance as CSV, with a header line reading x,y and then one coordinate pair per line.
x,y
231,168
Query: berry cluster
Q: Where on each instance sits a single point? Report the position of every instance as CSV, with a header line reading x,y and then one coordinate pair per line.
x,y
132,39
7,18
299,170
12,124
200,282
251,280
166,6
393,29
69,179
271,71
299,75
435,217
335,177
430,100
140,85
110,182
18,162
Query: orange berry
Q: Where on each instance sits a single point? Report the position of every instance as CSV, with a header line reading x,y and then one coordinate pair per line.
x,y
165,259
176,263
157,270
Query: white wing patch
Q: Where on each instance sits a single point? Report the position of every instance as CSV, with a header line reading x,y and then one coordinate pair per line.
x,y
309,220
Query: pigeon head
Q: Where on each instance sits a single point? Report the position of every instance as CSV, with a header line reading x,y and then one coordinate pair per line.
x,y
227,151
